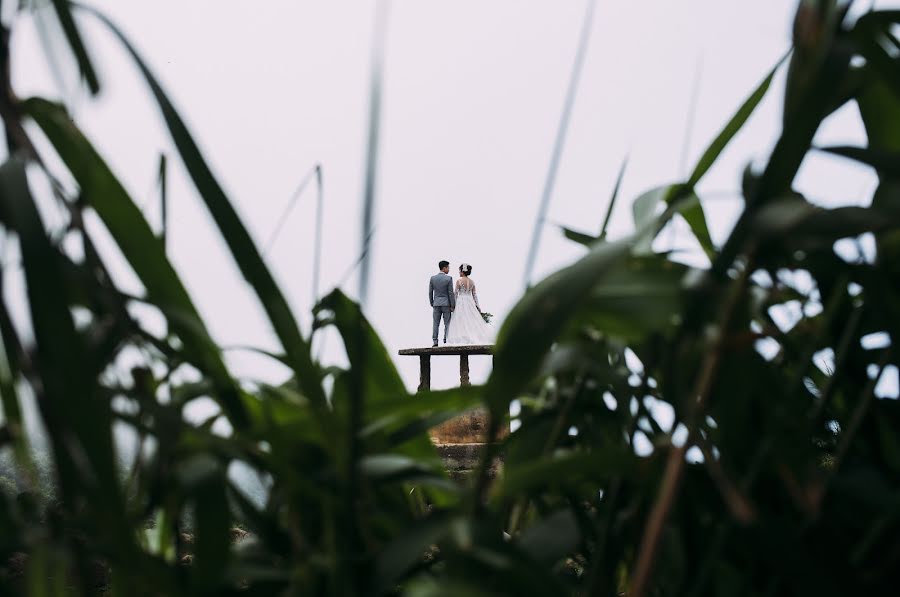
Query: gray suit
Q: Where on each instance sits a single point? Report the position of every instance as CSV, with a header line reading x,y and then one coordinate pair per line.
x,y
442,299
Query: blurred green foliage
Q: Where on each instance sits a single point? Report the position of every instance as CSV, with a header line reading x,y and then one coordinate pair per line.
x,y
761,472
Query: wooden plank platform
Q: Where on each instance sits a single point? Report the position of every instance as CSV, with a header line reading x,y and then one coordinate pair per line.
x,y
448,350
463,352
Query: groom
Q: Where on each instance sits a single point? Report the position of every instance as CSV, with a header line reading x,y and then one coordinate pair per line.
x,y
442,299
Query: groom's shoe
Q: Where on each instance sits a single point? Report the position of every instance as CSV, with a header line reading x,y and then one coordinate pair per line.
x,y
435,344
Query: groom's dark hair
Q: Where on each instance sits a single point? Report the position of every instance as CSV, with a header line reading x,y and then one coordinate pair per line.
x,y
443,264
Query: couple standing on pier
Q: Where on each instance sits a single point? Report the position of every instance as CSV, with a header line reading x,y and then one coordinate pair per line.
x,y
458,306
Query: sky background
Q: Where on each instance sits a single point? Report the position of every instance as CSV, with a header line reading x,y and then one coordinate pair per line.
x,y
472,96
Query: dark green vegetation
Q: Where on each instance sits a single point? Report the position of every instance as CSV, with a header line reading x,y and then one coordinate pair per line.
x,y
797,493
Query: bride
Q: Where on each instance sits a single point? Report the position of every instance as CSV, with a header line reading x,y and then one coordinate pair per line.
x,y
467,327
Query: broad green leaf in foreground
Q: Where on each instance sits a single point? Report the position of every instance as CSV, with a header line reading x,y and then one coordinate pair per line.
x,y
103,191
532,326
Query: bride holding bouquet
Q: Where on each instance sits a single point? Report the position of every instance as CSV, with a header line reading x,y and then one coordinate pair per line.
x,y
468,325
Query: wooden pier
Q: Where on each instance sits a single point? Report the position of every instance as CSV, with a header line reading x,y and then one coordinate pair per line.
x,y
463,352
460,440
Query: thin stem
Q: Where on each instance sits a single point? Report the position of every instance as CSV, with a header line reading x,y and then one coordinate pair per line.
x,y
561,131
290,206
864,401
375,84
487,456
558,426
676,461
691,116
359,260
317,248
596,577
841,355
314,172
738,504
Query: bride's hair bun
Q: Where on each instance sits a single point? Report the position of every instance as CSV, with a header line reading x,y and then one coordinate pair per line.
x,y
466,269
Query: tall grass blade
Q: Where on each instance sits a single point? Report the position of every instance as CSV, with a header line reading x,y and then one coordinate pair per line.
x,y
139,245
789,151
233,231
694,214
64,12
562,129
533,324
375,83
349,523
612,199
733,126
163,199
382,380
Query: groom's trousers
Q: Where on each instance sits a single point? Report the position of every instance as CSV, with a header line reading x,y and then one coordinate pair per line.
x,y
436,320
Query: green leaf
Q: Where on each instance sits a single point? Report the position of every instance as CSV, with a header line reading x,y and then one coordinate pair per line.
x,y
234,233
368,357
203,480
735,124
395,468
586,239
879,107
799,129
400,409
282,412
693,212
796,223
646,210
407,550
613,197
263,523
73,36
534,323
552,538
640,296
579,237
103,191
388,466
649,206
870,32
430,587
565,470
78,421
9,398
652,212
883,161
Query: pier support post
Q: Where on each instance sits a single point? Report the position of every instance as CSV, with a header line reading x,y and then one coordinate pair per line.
x,y
464,370
424,372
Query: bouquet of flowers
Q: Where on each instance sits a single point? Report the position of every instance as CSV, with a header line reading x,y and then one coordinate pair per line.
x,y
486,316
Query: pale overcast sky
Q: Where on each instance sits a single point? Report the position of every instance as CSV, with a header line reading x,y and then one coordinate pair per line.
x,y
473,91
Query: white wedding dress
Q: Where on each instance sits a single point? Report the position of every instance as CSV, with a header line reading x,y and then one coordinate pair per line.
x,y
467,327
